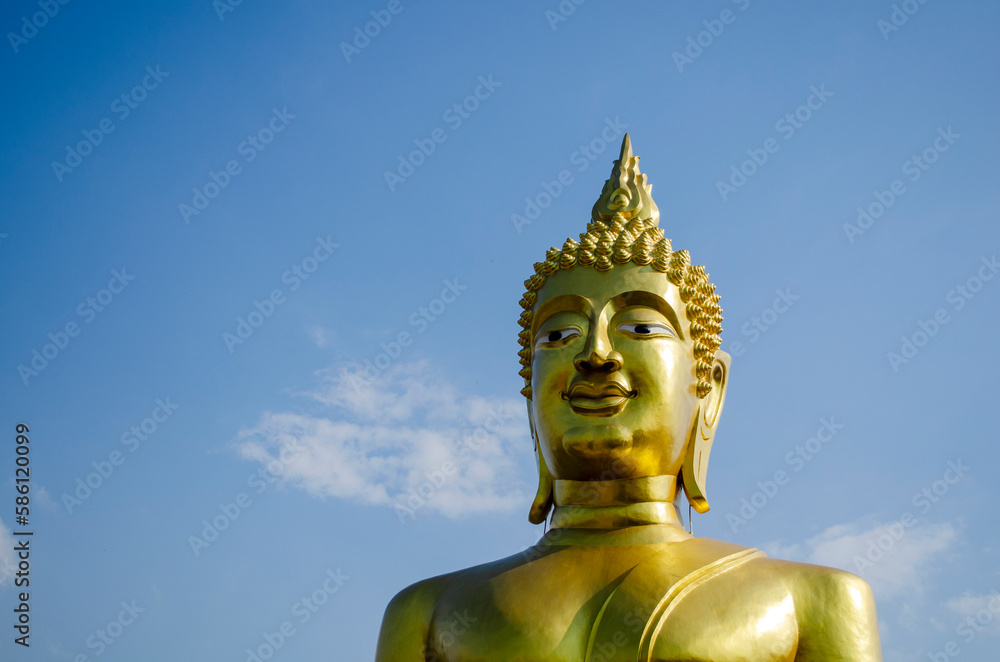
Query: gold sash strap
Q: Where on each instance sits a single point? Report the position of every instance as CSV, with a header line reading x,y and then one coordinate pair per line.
x,y
635,613
682,588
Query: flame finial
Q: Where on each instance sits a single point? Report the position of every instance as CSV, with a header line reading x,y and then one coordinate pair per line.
x,y
626,191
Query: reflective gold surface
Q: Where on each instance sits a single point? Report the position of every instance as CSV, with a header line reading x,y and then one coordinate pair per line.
x,y
626,384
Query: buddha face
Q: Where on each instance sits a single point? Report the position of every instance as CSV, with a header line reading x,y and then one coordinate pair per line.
x,y
613,374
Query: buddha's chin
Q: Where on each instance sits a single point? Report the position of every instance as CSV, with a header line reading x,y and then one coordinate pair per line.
x,y
597,442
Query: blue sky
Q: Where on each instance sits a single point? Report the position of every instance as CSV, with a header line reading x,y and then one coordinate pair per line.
x,y
318,262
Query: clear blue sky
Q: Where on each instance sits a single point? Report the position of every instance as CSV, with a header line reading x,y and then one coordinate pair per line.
x,y
289,135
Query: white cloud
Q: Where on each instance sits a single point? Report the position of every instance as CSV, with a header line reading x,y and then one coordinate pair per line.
x,y
43,498
984,610
8,564
320,336
890,557
406,438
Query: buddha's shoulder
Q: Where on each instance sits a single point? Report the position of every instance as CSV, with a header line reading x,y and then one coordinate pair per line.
x,y
811,585
829,604
408,617
808,608
833,609
419,600
804,581
406,621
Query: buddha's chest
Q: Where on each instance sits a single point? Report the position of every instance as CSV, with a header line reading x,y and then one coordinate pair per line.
x,y
597,616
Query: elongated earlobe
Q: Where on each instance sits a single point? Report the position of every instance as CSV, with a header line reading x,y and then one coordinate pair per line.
x,y
694,471
542,503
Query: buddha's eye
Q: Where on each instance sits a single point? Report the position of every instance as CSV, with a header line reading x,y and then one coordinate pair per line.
x,y
556,336
647,329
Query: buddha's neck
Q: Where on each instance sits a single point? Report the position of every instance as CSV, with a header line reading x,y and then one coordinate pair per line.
x,y
642,506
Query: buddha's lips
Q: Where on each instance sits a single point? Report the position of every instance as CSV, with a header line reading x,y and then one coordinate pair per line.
x,y
606,398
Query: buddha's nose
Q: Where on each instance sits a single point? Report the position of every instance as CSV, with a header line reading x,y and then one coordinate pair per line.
x,y
597,354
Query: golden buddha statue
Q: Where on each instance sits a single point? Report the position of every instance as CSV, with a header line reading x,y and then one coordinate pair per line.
x,y
625,383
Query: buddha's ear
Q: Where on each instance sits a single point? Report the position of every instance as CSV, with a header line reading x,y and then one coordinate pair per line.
x,y
694,471
542,503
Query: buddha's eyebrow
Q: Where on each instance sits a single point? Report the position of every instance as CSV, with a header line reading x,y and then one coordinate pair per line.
x,y
559,304
649,300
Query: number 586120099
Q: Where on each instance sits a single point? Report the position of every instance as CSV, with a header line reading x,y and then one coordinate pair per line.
x,y
22,473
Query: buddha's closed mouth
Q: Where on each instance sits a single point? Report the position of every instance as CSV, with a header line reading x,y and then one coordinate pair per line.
x,y
598,399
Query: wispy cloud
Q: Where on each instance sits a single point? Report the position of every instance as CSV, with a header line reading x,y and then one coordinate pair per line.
x,y
984,610
8,565
320,336
380,441
890,557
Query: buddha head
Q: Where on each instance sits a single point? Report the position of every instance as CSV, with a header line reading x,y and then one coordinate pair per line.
x,y
620,351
